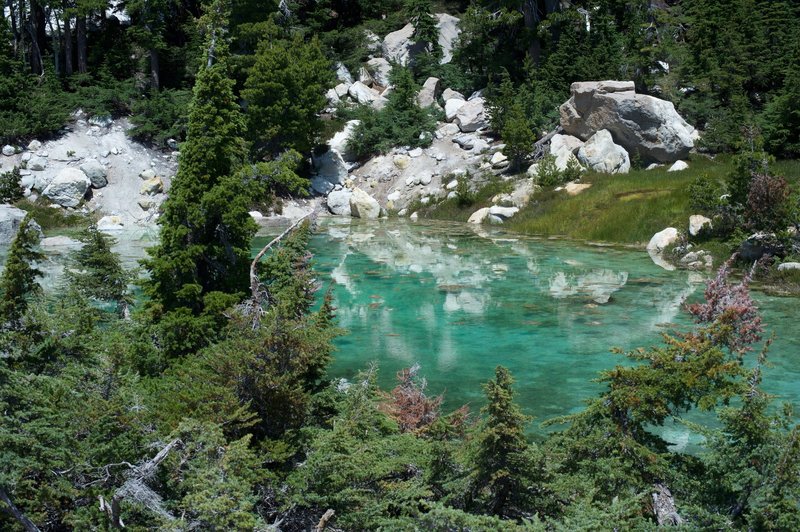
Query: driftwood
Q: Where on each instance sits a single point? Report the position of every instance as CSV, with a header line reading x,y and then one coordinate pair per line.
x,y
664,507
539,147
16,513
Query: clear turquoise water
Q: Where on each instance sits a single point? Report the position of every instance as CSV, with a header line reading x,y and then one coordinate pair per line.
x,y
461,300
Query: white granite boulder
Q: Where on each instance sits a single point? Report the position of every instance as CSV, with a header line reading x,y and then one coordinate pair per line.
x,y
68,187
362,205
641,124
96,172
600,154
10,219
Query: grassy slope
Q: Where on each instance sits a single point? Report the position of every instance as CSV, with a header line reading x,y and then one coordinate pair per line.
x,y
624,209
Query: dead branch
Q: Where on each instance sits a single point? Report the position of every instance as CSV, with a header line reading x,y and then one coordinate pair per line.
x,y
323,522
136,488
254,281
16,513
539,147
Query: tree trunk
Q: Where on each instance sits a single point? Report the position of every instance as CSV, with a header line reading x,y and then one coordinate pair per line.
x,y
67,46
80,29
40,22
16,513
155,80
14,29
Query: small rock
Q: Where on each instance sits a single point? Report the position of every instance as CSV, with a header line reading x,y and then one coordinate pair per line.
x,y
37,164
428,93
146,204
147,174
34,145
393,196
653,166
678,166
414,216
172,144
110,223
416,152
498,159
8,150
573,189
425,179
789,266
255,215
152,186
401,161
452,184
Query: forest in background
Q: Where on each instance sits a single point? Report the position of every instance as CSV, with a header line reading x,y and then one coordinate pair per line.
x,y
206,405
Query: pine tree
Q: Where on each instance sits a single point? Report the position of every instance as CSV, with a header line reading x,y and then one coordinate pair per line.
x,y
96,271
201,264
19,276
285,91
501,481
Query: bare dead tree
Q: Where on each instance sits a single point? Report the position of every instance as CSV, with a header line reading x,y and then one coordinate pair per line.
x,y
664,507
16,513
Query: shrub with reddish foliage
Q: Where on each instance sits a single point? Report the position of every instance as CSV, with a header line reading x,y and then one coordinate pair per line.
x,y
769,203
730,311
407,403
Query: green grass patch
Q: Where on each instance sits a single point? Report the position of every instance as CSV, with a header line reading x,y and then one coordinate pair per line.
x,y
53,220
626,209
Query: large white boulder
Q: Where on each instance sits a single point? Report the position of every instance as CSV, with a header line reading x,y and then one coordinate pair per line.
x,y
641,124
448,34
429,92
343,75
339,141
380,69
362,205
661,241
479,216
96,172
362,94
449,94
697,223
398,46
600,154
10,219
564,148
339,202
330,169
452,106
471,116
68,187
679,166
